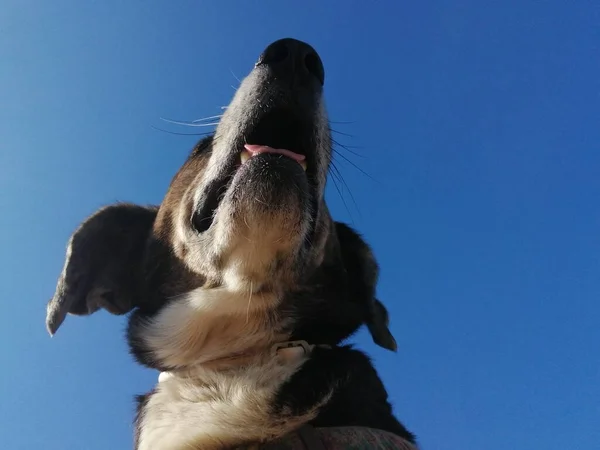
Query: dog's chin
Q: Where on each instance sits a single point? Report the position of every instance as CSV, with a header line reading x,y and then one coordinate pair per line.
x,y
262,220
270,184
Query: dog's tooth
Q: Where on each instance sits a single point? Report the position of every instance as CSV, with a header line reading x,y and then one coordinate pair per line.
x,y
303,164
244,156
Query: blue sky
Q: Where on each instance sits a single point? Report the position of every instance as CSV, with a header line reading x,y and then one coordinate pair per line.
x,y
479,125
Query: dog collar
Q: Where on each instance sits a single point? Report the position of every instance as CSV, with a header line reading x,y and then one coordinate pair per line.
x,y
287,352
292,350
298,346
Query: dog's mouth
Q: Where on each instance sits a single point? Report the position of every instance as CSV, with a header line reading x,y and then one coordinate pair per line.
x,y
276,152
252,150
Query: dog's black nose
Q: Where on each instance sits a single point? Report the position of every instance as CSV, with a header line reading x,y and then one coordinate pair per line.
x,y
293,60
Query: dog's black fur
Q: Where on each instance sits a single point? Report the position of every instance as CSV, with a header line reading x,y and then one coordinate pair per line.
x,y
126,258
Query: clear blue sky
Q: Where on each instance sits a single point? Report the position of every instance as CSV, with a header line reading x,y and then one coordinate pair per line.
x,y
480,124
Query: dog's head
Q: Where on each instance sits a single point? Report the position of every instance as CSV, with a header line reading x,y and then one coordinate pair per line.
x,y
242,252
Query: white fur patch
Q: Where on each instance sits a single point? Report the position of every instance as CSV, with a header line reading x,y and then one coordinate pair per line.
x,y
210,409
208,324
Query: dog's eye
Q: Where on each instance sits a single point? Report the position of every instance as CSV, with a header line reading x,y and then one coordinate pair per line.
x,y
201,223
203,216
202,219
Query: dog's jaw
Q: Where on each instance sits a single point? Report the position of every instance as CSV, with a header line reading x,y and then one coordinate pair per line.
x,y
269,205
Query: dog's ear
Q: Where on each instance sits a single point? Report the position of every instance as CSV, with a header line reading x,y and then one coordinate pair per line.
x,y
103,264
378,325
363,273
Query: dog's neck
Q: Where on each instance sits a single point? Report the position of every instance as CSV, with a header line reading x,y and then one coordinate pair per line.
x,y
217,329
286,353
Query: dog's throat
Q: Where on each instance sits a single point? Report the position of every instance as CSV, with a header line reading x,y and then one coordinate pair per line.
x,y
288,352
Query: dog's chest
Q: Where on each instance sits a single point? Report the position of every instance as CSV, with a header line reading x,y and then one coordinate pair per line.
x,y
208,324
214,409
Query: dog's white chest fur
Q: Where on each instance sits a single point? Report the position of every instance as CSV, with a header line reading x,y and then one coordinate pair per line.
x,y
213,409
207,324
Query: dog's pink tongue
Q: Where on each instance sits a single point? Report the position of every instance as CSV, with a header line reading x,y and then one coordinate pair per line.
x,y
258,149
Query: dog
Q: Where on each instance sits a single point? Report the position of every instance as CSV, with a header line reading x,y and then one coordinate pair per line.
x,y
241,286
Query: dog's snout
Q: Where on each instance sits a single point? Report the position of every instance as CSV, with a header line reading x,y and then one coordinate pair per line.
x,y
293,60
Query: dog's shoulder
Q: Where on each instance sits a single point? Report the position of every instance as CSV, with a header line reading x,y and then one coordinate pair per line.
x,y
356,393
332,386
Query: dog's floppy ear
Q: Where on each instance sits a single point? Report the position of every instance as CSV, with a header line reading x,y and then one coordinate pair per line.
x,y
103,263
363,272
378,325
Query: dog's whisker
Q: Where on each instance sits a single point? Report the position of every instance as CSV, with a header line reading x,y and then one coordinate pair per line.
x,y
234,76
249,302
342,197
339,132
217,116
356,167
189,124
336,174
347,148
340,177
248,225
180,134
176,296
262,202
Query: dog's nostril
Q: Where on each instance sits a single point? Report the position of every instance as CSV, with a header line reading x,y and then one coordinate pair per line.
x,y
293,61
315,66
274,54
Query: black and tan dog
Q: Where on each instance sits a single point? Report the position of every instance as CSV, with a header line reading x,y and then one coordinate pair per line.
x,y
242,286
